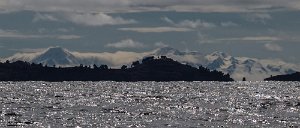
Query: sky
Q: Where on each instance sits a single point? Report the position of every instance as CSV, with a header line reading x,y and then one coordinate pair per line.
x,y
265,29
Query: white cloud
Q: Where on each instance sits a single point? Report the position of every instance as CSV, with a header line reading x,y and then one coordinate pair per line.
x,y
203,39
17,35
88,19
58,30
160,44
127,43
195,24
68,37
156,29
98,19
114,60
40,17
29,50
168,20
190,23
255,38
207,8
273,47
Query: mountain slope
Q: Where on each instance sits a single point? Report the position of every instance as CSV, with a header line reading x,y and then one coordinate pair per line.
x,y
251,68
238,67
56,56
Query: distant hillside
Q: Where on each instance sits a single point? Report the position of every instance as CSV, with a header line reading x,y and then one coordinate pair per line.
x,y
289,77
151,69
238,67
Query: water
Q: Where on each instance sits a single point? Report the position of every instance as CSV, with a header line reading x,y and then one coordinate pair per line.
x,y
149,104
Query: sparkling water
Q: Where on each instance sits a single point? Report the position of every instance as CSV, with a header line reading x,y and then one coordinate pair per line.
x,y
149,104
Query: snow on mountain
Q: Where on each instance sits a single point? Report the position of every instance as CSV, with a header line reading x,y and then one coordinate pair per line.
x,y
62,57
238,67
251,68
56,56
50,56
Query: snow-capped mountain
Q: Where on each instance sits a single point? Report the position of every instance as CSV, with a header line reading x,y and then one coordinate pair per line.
x,y
251,68
56,56
62,57
50,56
237,67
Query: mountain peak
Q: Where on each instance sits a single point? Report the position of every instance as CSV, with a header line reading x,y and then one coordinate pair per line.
x,y
56,49
55,55
54,52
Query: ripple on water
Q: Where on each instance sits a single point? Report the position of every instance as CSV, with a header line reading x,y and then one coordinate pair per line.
x,y
149,104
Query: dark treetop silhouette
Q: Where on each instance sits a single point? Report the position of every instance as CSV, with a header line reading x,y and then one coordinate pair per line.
x,y
163,69
289,77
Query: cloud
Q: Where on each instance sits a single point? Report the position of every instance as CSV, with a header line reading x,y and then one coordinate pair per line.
x,y
150,5
229,24
68,37
258,17
195,24
255,38
127,43
17,35
46,17
29,50
190,23
88,19
273,47
204,39
160,44
98,19
156,29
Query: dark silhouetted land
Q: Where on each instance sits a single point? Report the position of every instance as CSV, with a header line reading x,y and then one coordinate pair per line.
x,y
150,69
289,77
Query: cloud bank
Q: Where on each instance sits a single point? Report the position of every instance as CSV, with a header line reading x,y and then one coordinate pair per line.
x,y
18,35
150,5
127,43
87,19
156,29
273,47
98,19
192,24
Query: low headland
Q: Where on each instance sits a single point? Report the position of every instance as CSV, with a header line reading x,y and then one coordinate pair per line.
x,y
289,77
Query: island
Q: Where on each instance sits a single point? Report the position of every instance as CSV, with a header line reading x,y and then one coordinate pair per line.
x,y
289,77
148,69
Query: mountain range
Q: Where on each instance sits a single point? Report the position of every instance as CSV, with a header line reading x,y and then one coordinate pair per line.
x,y
238,67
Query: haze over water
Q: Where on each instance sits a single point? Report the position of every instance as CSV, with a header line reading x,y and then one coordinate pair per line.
x,y
149,104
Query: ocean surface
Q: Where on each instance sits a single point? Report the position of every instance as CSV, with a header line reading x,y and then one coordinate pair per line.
x,y
149,104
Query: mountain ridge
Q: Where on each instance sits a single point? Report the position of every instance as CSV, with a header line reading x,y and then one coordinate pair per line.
x,y
238,67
